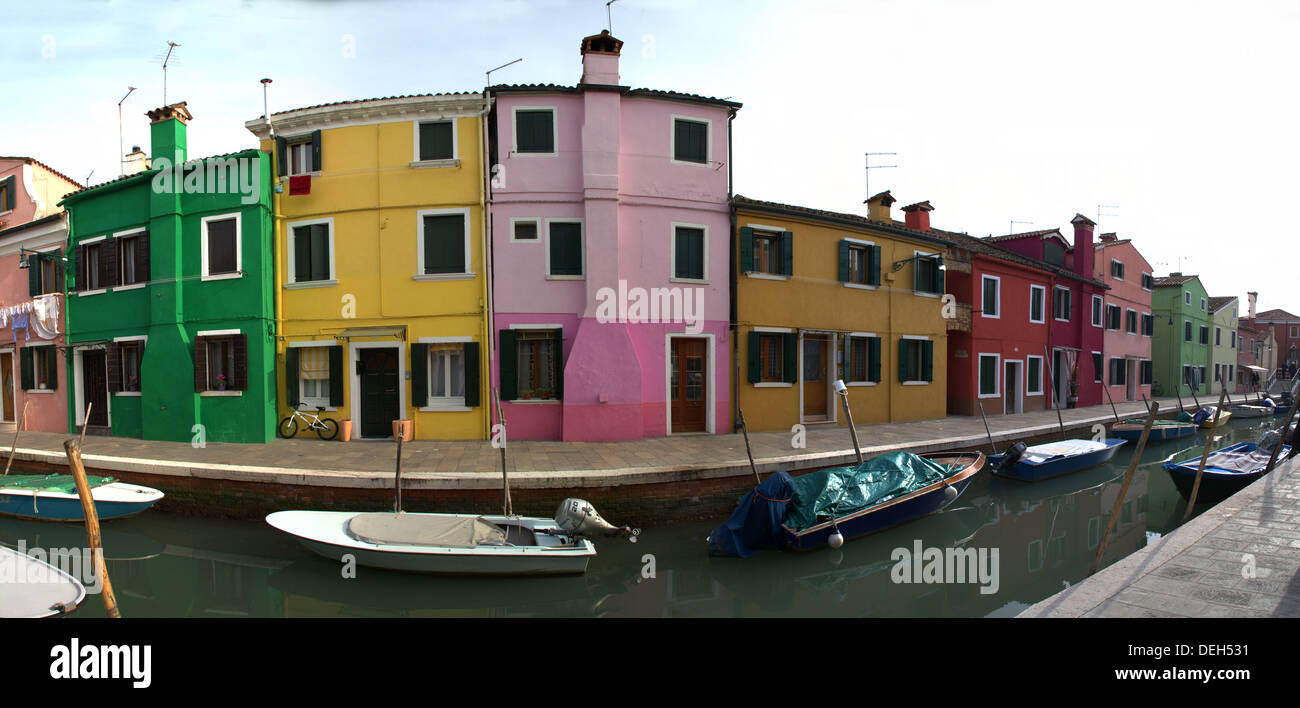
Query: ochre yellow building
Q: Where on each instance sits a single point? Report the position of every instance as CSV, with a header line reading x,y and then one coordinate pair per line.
x,y
822,296
382,305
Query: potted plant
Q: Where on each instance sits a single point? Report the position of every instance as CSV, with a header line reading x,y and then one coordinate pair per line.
x,y
526,394
1073,399
221,382
42,385
133,384
544,393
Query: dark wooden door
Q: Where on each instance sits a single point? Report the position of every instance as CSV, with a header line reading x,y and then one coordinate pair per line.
x,y
94,386
815,391
380,400
688,386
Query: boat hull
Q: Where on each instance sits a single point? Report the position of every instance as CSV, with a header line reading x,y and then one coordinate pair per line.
x,y
325,533
1030,472
32,588
909,507
1216,484
1159,433
1210,423
112,501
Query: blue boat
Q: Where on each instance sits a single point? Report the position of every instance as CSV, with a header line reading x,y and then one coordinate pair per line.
x,y
53,497
1161,431
1227,471
1054,459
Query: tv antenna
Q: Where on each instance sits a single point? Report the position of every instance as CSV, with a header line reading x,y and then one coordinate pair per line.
x,y
1011,227
871,167
488,79
609,20
171,47
1106,206
121,160
92,172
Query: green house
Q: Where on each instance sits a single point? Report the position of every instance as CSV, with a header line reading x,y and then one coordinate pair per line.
x,y
171,299
1182,341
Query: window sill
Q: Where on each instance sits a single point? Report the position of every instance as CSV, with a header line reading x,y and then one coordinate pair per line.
x,y
923,293
313,405
860,383
285,177
767,276
917,383
861,286
130,394
987,395
39,390
446,409
1037,321
536,401
224,276
704,163
987,316
566,277
426,164
88,293
697,281
311,284
133,286
773,384
428,277
221,394
532,153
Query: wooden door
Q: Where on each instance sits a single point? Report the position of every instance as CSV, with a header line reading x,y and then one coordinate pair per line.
x,y
7,373
94,386
816,349
380,396
689,385
1011,388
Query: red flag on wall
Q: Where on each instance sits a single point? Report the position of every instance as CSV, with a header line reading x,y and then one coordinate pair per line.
x,y
300,184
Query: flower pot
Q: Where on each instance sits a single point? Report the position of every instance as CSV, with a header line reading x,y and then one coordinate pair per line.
x,y
404,429
345,429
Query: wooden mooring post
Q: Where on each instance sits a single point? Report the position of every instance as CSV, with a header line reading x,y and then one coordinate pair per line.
x,y
72,447
1123,490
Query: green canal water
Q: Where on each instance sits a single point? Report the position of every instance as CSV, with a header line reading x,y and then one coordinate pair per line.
x,y
1046,535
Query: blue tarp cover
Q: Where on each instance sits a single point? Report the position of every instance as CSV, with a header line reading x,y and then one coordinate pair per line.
x,y
756,522
838,491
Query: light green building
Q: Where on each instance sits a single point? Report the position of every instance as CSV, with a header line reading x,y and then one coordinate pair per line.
x,y
1182,342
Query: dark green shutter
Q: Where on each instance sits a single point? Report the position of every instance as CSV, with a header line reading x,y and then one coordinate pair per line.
x,y
291,377
281,156
559,364
315,151
34,274
302,243
755,355
873,266
846,356
874,360
11,189
419,374
790,352
746,249
336,376
902,360
52,366
938,274
508,366
27,375
787,253
844,260
470,352
927,360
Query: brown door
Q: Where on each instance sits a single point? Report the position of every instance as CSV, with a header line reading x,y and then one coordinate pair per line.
x,y
7,374
816,348
688,386
94,386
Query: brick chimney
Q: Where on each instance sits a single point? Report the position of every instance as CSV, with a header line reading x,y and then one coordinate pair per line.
x,y
600,59
1109,237
167,132
1083,253
917,216
878,207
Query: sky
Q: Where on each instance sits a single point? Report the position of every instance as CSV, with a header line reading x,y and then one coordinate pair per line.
x,y
1171,123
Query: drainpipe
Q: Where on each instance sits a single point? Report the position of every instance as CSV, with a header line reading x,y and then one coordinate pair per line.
x,y
277,236
735,281
483,204
67,336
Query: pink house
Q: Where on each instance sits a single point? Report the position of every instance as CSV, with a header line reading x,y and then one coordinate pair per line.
x,y
609,225
1127,317
33,231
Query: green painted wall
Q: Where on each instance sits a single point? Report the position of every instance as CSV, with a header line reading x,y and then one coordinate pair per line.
x,y
1169,350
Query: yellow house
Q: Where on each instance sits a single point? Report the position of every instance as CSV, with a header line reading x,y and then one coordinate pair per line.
x,y
822,296
381,287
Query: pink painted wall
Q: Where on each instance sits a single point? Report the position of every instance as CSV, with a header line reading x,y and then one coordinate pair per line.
x,y
48,412
1128,294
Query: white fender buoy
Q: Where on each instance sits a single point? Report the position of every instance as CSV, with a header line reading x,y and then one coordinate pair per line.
x,y
949,493
836,539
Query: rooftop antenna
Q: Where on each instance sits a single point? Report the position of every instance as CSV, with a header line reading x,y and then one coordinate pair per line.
x,y
871,167
1105,206
609,20
171,46
489,71
92,172
121,161
1011,228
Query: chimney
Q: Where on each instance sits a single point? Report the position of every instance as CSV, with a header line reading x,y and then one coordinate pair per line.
x,y
167,132
1250,305
1083,253
917,216
135,161
600,59
878,207
1109,237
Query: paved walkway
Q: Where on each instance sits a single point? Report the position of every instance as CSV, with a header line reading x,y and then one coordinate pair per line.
x,y
1240,558
539,464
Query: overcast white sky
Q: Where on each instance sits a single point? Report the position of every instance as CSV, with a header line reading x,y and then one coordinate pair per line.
x,y
1180,114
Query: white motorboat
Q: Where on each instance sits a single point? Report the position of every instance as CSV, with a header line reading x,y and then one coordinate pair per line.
x,y
30,587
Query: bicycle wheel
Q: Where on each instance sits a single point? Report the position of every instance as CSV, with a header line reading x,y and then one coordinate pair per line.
x,y
328,429
288,427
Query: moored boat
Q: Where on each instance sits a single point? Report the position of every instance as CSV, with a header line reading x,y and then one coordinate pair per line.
x,y
53,497
1247,410
1161,430
1054,459
1227,471
32,588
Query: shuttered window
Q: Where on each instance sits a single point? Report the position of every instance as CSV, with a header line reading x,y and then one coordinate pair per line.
x,y
222,246
437,141
38,368
564,249
688,253
535,130
862,359
311,253
538,366
124,360
221,363
444,244
314,375
915,360
133,258
690,140
928,276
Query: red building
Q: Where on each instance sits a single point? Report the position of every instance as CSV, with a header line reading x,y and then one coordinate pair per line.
x,y
1286,333
1253,356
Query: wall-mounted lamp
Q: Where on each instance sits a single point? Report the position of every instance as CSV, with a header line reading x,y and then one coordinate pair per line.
x,y
24,262
898,265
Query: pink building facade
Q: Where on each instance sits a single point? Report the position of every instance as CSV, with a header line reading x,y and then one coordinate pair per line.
x,y
1126,316
610,213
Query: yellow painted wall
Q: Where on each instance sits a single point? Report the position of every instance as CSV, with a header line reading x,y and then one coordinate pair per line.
x,y
814,298
369,188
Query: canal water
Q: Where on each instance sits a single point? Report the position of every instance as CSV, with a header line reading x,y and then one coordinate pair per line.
x,y
1045,535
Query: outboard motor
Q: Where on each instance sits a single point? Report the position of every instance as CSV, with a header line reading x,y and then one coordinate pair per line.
x,y
1012,456
580,518
1268,441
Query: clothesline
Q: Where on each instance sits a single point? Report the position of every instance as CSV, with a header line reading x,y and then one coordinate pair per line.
x,y
41,314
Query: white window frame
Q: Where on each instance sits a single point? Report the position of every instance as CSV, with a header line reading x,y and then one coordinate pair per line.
x,y
853,284
769,232
672,140
1105,316
1137,321
1039,382
239,246
143,339
546,240
559,351
1218,336
289,145
121,265
847,348
514,131
1187,297
672,253
35,366
420,275
1189,337
292,262
997,304
324,401
452,161
1203,305
443,403
1068,298
1149,276
1097,299
919,338
1113,261
1097,376
1042,289
535,220
916,256
997,375
1153,325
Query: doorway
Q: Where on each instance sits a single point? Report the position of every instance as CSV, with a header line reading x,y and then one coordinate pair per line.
x,y
1012,396
688,385
381,383
1130,379
1060,379
816,389
7,384
94,387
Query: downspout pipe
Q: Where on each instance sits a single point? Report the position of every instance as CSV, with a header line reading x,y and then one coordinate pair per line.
x,y
484,204
732,236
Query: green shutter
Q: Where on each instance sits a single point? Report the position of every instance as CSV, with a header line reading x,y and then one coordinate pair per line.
x,y
419,374
508,385
470,353
844,260
51,355
873,354
291,377
846,356
315,151
281,156
873,265
336,376
559,364
918,276
790,350
927,360
755,355
902,360
746,249
27,375
33,274
11,196
938,274
787,253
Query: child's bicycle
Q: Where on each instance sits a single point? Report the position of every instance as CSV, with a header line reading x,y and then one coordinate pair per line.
x,y
326,428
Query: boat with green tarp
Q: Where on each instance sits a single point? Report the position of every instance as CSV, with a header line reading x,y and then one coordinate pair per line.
x,y
53,497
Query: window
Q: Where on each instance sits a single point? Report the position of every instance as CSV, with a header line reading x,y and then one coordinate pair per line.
x,y
1145,372
524,230
221,364
1293,332
688,252
38,368
1034,375
44,273
220,361
1096,312
771,350
1205,334
311,253
1218,336
1096,367
538,366
1232,339
1112,317
1131,321
124,365
1118,369
862,359
133,258
299,158
1187,330
437,141
988,375
690,140
444,243
1148,282
1061,305
7,193
928,273
95,268
221,240
1201,374
313,376
1116,269
915,360
564,249
447,373
990,303
1187,297
1054,253
767,253
1148,324
535,130
859,262
1202,304
1037,295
